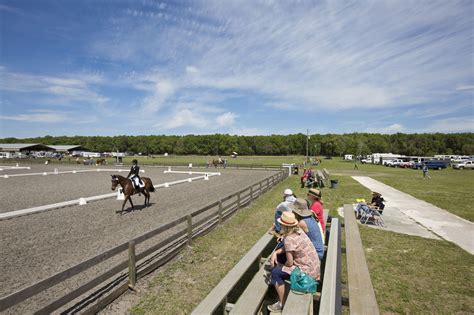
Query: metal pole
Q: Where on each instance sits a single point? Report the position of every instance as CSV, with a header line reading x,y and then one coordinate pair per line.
x,y
307,143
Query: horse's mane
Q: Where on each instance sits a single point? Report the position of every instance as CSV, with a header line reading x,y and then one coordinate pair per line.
x,y
120,177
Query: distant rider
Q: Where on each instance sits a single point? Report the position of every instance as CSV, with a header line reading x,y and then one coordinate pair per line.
x,y
134,175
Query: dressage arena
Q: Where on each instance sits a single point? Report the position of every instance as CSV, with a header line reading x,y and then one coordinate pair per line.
x,y
38,245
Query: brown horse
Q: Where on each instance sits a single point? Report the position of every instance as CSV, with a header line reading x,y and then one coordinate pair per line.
x,y
216,163
129,189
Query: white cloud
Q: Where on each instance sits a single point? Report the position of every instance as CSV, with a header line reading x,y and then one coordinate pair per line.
x,y
465,88
456,124
191,70
226,119
183,118
38,116
163,89
390,129
65,89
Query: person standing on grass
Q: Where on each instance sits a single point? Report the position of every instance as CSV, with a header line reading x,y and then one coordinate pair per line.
x,y
425,172
298,252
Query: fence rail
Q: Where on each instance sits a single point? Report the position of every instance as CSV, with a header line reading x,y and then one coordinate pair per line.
x,y
161,252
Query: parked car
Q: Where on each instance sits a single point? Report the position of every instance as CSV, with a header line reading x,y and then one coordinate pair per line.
x,y
395,163
386,162
366,161
463,165
408,164
432,164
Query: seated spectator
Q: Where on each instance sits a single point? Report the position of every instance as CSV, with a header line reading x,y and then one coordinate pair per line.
x,y
304,178
311,178
377,203
316,205
299,252
309,224
288,199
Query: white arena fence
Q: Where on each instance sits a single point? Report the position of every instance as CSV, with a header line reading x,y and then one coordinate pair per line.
x,y
111,283
83,201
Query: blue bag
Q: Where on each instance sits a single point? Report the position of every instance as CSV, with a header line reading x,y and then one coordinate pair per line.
x,y
301,282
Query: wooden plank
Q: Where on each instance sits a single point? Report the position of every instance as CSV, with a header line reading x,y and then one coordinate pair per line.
x,y
361,292
251,299
331,290
299,304
222,289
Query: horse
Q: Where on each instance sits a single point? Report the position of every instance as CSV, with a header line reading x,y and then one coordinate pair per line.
x,y
100,162
129,189
216,163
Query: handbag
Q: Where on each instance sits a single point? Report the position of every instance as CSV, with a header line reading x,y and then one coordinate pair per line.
x,y
301,282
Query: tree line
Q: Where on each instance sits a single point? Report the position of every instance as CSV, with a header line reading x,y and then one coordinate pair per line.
x,y
427,144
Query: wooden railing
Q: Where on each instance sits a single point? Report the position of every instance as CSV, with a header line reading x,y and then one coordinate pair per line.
x,y
361,292
137,264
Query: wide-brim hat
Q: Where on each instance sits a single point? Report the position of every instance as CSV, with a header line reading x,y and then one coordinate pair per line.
x,y
288,192
314,192
300,207
288,218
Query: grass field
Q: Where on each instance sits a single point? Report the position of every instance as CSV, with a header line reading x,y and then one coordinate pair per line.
x,y
409,274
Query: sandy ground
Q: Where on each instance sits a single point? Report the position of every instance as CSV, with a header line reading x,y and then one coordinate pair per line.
x,y
37,246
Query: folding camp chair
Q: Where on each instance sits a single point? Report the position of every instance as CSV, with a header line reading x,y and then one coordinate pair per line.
x,y
367,213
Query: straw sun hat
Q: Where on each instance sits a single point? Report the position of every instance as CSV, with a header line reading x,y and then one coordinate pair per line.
x,y
314,192
288,218
300,207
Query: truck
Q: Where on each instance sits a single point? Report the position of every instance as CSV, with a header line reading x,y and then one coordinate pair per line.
x,y
432,164
464,165
394,163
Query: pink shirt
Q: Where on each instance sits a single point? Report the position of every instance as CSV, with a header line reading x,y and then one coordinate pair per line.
x,y
304,254
317,208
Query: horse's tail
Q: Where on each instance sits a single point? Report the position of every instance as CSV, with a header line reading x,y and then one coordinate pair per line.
x,y
152,188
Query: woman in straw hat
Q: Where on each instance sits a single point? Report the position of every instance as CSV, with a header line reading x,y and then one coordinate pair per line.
x,y
299,252
314,197
309,224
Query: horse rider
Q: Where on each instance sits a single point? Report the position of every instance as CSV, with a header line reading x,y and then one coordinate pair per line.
x,y
134,175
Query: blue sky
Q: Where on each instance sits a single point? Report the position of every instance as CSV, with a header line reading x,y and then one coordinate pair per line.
x,y
238,67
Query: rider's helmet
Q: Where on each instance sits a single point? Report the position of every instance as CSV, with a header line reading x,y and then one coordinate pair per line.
x,y
135,161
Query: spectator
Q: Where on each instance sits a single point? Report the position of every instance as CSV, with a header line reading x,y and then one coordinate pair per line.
x,y
316,205
288,199
309,224
425,172
299,252
304,178
377,203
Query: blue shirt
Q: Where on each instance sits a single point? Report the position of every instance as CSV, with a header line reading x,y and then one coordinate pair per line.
x,y
315,235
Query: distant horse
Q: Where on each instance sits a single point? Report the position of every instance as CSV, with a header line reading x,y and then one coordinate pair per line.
x,y
100,162
129,189
216,163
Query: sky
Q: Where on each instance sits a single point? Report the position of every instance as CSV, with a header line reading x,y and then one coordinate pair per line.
x,y
117,67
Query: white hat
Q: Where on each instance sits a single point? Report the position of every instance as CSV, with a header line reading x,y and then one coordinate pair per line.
x,y
288,192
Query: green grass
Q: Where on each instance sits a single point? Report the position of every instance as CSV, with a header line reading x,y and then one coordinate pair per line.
x,y
409,274
413,275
